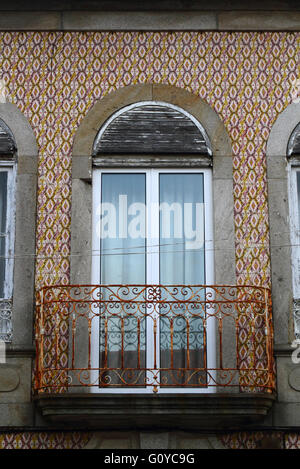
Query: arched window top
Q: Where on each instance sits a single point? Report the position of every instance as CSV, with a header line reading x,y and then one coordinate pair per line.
x,y
294,142
7,141
152,127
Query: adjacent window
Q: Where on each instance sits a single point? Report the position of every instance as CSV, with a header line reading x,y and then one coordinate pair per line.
x,y
295,227
7,228
294,198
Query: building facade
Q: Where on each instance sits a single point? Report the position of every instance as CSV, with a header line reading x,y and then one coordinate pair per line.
x,y
174,104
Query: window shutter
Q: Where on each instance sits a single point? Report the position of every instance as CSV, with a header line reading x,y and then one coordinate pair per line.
x,y
7,141
151,128
294,142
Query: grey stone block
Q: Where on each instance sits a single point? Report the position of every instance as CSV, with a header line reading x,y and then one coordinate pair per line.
x,y
9,378
286,414
30,20
82,167
157,440
15,381
16,415
137,20
81,226
222,167
259,21
277,167
27,165
23,293
114,440
286,370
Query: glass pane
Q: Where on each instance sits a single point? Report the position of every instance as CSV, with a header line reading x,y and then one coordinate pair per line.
x,y
123,229
298,193
182,262
123,261
3,212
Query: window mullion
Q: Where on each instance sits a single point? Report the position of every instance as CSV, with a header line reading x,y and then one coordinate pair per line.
x,y
152,227
152,198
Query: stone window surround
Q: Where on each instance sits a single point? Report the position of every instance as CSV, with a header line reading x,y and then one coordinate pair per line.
x,y
141,410
81,221
284,306
25,224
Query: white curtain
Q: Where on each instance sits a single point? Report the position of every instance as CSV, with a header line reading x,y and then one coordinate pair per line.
x,y
182,262
298,191
123,261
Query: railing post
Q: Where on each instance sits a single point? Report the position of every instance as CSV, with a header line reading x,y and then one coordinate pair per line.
x,y
269,337
37,355
39,341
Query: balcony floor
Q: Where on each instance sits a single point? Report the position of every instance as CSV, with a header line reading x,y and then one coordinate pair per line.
x,y
141,411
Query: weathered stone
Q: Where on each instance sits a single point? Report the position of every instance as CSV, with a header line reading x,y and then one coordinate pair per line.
x,y
144,411
28,21
9,378
157,440
294,379
259,21
142,21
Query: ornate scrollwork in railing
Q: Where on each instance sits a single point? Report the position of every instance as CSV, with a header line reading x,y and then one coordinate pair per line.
x,y
5,320
139,336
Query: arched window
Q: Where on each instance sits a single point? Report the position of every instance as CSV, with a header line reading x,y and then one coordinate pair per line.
x,y
18,182
282,169
153,226
138,151
7,226
85,159
146,207
149,128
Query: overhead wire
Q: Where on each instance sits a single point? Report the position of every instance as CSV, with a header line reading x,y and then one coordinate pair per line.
x,y
143,250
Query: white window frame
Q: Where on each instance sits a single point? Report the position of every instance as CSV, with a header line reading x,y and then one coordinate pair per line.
x,y
293,169
152,266
10,168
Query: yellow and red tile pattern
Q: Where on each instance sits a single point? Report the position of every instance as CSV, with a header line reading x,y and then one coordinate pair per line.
x,y
54,78
261,439
44,440
79,440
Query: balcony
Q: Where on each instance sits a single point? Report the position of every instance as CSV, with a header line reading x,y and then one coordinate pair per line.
x,y
193,355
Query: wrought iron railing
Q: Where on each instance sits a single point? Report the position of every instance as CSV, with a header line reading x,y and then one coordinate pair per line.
x,y
122,337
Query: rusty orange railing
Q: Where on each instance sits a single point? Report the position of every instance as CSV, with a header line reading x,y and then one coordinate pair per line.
x,y
195,337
